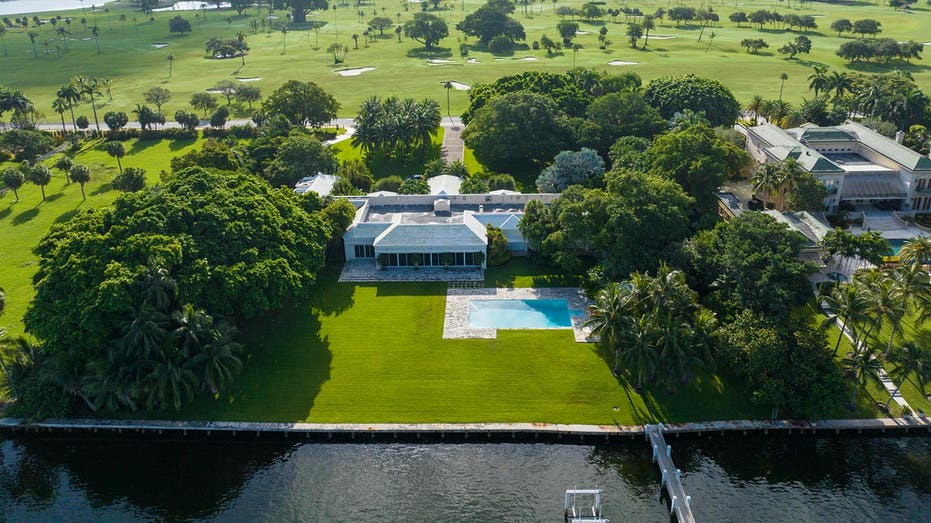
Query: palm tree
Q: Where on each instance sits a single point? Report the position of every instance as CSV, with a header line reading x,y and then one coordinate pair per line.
x,y
116,150
71,94
647,24
95,31
107,83
865,367
788,175
887,303
848,303
909,359
916,251
91,88
241,37
144,335
215,362
32,38
123,24
818,81
766,180
608,318
284,39
841,84
60,106
80,174
637,351
171,61
449,87
169,382
424,122
13,179
41,176
755,106
783,77
3,39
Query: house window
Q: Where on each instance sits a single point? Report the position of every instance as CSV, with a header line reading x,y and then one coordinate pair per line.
x,y
460,258
365,251
469,258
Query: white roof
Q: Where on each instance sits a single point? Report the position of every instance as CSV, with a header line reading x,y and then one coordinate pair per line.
x,y
383,193
444,184
321,184
504,192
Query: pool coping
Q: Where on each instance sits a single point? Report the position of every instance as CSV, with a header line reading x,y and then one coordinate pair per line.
x,y
456,319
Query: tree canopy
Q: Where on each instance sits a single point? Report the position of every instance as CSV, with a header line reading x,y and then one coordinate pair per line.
x,y
302,103
488,21
582,167
207,243
427,29
672,94
750,262
517,131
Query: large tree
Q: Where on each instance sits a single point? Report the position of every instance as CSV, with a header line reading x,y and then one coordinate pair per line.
x,y
226,243
615,115
487,22
298,156
750,262
700,161
583,167
674,94
302,104
630,225
299,8
427,29
517,131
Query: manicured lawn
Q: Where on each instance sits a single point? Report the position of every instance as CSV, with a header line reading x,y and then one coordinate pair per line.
x,y
375,353
23,224
401,68
382,168
521,271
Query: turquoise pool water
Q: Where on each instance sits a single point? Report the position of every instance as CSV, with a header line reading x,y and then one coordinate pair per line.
x,y
519,314
896,246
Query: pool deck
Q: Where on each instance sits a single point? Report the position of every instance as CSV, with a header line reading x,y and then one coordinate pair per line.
x,y
456,320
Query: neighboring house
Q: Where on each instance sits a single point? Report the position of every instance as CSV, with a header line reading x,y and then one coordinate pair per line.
x,y
321,184
430,226
859,166
444,184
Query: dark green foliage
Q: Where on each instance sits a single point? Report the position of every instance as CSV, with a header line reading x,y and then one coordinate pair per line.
x,y
132,179
427,29
500,45
25,144
299,156
487,22
302,104
807,194
629,152
218,118
474,185
628,226
790,368
568,96
499,252
699,161
13,179
750,263
202,245
344,187
517,131
672,94
214,154
499,182
391,184
615,115
414,186
115,120
179,25
396,127
358,174
187,120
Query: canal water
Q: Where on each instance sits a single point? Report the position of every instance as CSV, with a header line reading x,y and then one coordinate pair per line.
x,y
733,478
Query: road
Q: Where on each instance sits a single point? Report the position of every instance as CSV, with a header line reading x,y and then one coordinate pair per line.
x,y
447,122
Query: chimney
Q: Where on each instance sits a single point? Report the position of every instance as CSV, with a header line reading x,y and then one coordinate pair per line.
x,y
899,137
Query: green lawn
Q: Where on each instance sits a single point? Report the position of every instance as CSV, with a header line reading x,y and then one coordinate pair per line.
x,y
24,223
401,68
375,353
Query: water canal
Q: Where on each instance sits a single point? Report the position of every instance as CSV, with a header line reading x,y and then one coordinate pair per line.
x,y
733,478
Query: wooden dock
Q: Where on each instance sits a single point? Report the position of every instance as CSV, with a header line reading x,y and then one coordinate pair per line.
x,y
680,502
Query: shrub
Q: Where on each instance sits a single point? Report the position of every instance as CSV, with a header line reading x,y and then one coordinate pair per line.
x,y
391,183
499,252
414,186
502,181
500,45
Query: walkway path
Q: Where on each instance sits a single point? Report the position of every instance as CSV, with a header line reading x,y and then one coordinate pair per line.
x,y
884,378
453,147
680,503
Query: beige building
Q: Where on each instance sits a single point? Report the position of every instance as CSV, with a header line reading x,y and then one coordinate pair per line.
x,y
860,167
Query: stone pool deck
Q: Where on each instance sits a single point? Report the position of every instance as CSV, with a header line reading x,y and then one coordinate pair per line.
x,y
456,320
367,271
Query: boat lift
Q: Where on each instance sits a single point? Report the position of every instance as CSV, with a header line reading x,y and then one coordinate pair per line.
x,y
584,506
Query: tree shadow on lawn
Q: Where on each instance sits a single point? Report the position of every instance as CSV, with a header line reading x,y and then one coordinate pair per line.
x,y
285,364
139,146
25,216
437,52
102,189
329,296
177,145
6,212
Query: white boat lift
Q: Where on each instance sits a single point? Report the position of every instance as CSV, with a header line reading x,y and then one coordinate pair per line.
x,y
584,506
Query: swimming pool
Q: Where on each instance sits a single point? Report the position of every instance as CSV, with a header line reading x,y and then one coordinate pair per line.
x,y
520,314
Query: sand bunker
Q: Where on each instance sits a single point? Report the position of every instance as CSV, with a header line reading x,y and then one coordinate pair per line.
x,y
159,45
621,62
250,79
661,37
439,61
354,72
213,91
528,59
581,32
459,86
472,61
